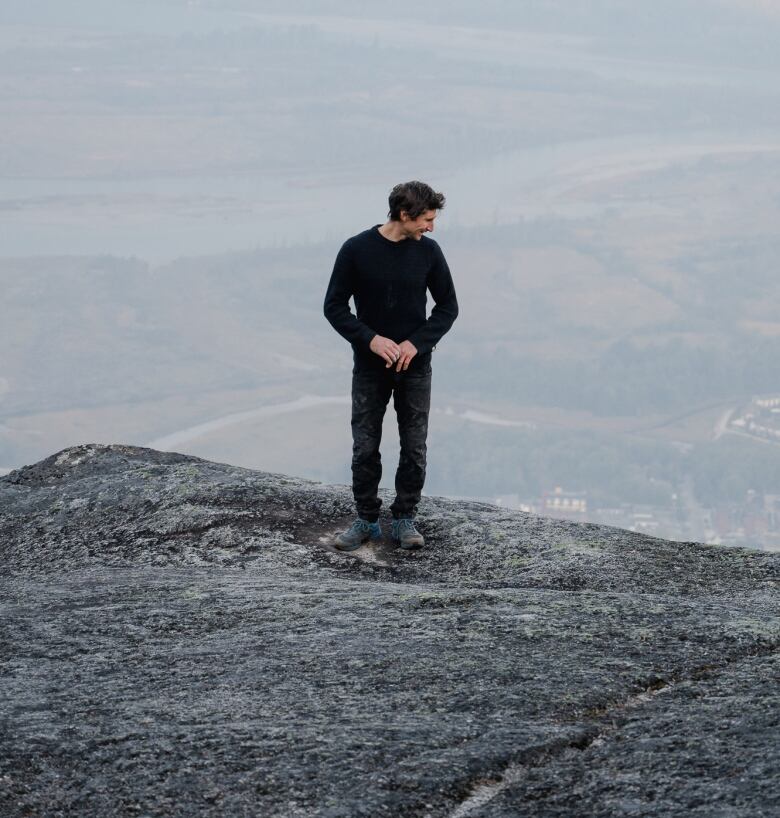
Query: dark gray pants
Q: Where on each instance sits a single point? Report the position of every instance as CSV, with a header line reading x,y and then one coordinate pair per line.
x,y
371,390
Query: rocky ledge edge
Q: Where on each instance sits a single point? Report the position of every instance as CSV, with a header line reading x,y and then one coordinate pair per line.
x,y
179,638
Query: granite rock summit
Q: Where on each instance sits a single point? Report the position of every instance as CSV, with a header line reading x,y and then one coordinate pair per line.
x,y
177,637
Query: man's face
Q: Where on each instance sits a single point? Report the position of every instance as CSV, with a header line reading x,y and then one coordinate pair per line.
x,y
414,228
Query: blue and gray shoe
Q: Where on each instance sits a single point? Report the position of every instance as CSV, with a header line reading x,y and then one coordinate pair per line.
x,y
405,534
359,532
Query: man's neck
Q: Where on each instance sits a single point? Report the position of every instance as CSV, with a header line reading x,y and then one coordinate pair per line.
x,y
392,230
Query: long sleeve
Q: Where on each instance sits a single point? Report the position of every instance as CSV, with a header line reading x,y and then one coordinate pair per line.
x,y
445,310
340,290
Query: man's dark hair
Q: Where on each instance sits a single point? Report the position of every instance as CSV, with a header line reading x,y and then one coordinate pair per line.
x,y
415,198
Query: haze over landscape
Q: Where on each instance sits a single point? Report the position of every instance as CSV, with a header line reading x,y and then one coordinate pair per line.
x,y
177,177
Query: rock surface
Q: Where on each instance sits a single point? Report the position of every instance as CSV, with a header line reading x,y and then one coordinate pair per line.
x,y
178,638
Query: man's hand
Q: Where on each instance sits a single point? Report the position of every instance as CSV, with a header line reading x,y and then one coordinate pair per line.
x,y
386,348
407,351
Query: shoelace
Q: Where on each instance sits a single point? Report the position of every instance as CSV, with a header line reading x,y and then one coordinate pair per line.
x,y
405,525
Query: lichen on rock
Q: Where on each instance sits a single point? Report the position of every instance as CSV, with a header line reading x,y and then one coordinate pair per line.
x,y
178,637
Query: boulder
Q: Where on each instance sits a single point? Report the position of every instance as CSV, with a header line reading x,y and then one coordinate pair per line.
x,y
179,637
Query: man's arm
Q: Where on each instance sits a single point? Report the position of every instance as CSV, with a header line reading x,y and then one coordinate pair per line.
x,y
344,321
445,310
336,308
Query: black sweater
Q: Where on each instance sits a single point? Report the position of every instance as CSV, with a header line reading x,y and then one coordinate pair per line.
x,y
388,280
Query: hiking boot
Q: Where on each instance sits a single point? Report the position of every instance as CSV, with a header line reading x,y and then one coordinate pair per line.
x,y
357,534
405,534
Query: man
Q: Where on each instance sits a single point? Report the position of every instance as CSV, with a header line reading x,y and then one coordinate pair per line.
x,y
388,269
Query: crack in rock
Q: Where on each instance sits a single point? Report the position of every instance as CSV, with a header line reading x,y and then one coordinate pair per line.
x,y
485,791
